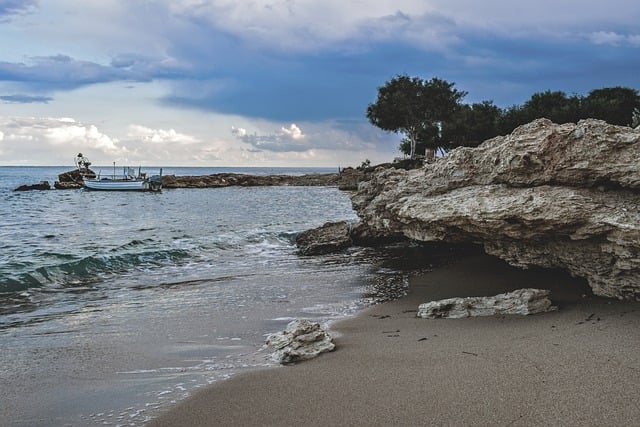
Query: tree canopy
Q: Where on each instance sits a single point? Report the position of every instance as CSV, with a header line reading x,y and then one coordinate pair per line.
x,y
416,108
430,115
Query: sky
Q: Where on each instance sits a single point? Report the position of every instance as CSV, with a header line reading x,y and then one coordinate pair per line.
x,y
278,83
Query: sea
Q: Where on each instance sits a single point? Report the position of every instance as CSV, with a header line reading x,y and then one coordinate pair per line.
x,y
116,305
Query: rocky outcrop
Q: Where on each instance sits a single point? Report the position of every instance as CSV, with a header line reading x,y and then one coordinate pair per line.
x,y
550,195
42,185
522,301
330,237
301,340
72,179
346,179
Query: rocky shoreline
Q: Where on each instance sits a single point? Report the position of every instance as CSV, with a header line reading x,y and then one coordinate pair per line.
x,y
547,195
346,179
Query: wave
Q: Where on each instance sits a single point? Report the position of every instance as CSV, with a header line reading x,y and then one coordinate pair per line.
x,y
90,269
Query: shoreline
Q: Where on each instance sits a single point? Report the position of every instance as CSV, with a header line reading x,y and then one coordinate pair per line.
x,y
577,365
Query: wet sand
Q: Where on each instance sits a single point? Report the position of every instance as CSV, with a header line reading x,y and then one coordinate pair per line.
x,y
579,365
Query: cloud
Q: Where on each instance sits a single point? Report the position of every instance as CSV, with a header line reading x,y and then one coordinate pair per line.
x,y
238,132
159,136
58,72
56,138
263,63
613,38
296,60
9,8
285,139
326,136
309,25
63,72
293,132
24,99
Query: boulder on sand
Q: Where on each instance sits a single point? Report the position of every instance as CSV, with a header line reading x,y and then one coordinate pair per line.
x,y
301,340
522,301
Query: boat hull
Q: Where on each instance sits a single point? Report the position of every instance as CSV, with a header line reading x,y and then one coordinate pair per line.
x,y
116,185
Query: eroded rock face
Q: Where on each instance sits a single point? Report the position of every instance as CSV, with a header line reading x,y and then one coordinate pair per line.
x,y
301,340
550,195
522,301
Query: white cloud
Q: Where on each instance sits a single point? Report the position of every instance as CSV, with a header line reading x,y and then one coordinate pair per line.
x,y
329,138
239,132
293,132
159,136
285,139
54,139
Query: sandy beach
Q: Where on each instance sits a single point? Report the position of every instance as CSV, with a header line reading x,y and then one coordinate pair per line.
x,y
579,365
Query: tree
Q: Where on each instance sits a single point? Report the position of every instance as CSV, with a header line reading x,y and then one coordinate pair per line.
x,y
555,106
614,105
414,107
427,137
472,124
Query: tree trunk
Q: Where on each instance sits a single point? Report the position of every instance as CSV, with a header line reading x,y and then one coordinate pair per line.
x,y
430,154
413,137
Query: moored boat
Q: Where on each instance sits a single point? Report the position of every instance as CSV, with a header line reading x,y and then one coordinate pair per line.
x,y
129,180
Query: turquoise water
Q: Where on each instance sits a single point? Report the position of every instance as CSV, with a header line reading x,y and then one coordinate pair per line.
x,y
115,305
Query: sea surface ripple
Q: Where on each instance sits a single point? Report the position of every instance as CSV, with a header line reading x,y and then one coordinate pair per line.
x,y
114,305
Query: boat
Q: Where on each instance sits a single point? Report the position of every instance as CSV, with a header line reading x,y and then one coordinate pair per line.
x,y
129,180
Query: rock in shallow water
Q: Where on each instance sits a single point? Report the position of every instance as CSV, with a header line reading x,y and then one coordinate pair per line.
x,y
549,195
331,237
522,301
301,340
42,185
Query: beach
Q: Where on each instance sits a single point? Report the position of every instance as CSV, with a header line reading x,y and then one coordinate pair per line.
x,y
578,365
114,305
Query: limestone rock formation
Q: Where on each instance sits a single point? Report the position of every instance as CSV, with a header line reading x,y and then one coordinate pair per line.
x,y
550,195
331,237
301,340
522,301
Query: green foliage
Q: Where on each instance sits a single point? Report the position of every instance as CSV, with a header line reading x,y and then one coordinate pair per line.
x,y
415,107
614,105
472,124
431,117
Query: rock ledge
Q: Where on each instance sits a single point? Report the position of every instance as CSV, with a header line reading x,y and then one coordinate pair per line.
x,y
549,195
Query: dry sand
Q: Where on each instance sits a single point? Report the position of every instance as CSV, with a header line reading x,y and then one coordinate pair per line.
x,y
577,366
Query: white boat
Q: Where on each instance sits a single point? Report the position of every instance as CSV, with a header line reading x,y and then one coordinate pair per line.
x,y
127,181
153,183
